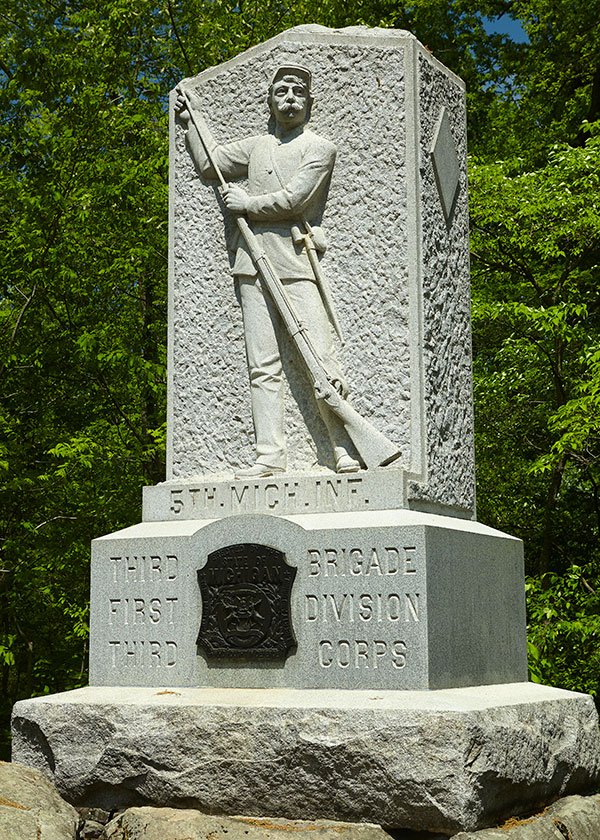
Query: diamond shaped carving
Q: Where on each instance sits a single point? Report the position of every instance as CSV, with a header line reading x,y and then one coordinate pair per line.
x,y
445,164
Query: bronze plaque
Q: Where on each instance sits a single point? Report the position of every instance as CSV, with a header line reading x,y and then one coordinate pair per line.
x,y
246,610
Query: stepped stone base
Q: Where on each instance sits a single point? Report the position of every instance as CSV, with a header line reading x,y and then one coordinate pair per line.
x,y
381,600
449,760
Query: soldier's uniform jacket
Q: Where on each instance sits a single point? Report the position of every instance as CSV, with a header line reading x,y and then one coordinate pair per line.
x,y
287,182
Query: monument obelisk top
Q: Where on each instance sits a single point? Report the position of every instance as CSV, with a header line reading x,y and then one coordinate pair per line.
x,y
389,201
386,123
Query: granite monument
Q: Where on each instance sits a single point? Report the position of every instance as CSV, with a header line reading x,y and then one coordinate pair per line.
x,y
309,621
277,270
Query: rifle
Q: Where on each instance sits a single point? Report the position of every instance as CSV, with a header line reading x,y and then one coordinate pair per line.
x,y
374,448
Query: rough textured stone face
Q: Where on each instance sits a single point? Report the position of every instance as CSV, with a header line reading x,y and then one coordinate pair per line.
x,y
398,270
171,824
441,761
448,398
31,808
571,818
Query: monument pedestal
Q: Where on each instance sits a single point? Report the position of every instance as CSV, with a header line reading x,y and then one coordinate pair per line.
x,y
393,599
432,760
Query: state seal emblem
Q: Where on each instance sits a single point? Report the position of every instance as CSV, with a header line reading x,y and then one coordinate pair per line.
x,y
246,603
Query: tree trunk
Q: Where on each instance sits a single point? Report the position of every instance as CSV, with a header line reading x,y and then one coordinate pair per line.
x,y
152,466
545,564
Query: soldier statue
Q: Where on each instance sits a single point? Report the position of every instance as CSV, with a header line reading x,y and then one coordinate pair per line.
x,y
288,174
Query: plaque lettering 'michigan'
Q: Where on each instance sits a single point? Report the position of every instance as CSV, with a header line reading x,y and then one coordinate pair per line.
x,y
246,609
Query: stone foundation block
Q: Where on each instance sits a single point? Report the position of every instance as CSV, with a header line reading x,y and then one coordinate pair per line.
x,y
442,761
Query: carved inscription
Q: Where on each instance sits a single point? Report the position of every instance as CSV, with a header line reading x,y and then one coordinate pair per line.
x,y
142,653
274,496
246,612
215,498
126,611
144,568
142,612
364,620
361,653
349,607
351,562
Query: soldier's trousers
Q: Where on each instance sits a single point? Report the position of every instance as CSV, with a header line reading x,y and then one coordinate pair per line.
x,y
261,323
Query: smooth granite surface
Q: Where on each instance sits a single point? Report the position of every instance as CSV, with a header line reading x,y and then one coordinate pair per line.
x,y
392,599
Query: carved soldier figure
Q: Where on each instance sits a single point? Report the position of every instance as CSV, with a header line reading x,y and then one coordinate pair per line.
x,y
288,174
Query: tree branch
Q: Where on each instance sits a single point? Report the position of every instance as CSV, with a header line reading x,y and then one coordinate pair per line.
x,y
176,33
102,380
47,521
18,321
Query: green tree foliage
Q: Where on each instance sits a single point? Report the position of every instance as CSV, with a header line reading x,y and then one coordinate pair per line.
x,y
535,249
564,629
82,313
561,74
535,257
83,176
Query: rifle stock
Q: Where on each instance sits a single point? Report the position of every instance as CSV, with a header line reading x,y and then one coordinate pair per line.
x,y
373,447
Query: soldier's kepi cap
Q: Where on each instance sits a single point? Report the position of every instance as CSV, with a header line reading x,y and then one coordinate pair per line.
x,y
293,70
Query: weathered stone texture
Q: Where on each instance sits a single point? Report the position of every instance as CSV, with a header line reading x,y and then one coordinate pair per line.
x,y
30,807
170,824
92,830
571,818
536,829
448,396
359,94
439,761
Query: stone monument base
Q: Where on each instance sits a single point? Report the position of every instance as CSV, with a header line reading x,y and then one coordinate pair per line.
x,y
380,600
428,760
